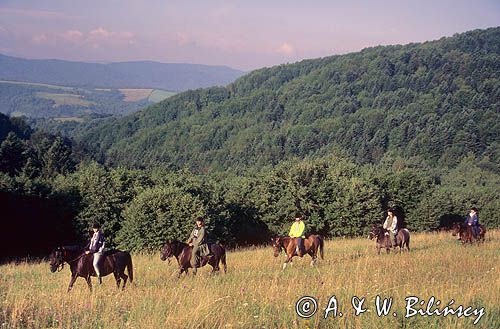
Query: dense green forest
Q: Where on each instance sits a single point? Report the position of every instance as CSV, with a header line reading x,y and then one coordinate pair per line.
x,y
437,101
340,139
51,192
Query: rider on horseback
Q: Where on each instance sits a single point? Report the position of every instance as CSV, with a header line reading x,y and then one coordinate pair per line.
x,y
473,220
391,224
96,247
198,240
298,231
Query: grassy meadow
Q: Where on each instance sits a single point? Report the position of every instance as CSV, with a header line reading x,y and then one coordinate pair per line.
x,y
65,99
256,293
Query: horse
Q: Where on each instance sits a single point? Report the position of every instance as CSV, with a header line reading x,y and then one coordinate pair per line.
x,y
383,238
464,233
182,252
311,245
114,261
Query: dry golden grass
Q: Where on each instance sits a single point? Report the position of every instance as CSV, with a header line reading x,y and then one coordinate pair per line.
x,y
133,95
256,293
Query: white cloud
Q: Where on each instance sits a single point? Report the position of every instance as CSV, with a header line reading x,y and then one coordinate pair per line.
x,y
99,33
39,39
286,49
73,35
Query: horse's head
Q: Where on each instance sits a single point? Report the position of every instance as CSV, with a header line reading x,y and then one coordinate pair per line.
x,y
374,231
167,251
455,230
277,244
57,259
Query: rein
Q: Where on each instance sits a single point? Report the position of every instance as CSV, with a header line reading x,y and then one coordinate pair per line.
x,y
281,245
61,266
77,258
175,246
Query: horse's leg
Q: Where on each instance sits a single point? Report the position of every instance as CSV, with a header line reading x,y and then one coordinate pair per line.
x,y
212,264
217,263
117,279
89,282
124,277
72,282
180,272
313,260
287,260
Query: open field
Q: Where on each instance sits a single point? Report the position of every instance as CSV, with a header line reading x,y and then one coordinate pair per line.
x,y
65,99
133,95
256,293
153,95
158,95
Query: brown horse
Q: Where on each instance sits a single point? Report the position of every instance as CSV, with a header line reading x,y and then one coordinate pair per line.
x,y
464,233
115,261
384,241
182,252
311,245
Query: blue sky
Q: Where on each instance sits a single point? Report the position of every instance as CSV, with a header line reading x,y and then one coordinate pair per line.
x,y
240,34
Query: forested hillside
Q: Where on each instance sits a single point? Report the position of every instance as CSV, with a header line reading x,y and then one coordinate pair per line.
x,y
435,101
340,139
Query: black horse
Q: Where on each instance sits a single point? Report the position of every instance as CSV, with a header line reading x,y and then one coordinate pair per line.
x,y
114,261
465,234
384,241
182,252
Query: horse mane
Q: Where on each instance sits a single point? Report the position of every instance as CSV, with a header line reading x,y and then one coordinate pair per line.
x,y
177,247
73,248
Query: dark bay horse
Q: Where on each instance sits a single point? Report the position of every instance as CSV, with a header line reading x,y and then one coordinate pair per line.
x,y
311,245
182,252
464,233
384,241
115,261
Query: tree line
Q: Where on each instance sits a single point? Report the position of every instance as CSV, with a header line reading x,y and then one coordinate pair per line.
x,y
50,195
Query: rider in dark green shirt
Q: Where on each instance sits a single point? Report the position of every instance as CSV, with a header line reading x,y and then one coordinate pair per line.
x,y
198,240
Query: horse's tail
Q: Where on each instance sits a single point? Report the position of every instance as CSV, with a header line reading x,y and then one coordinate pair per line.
x,y
223,259
130,268
482,232
321,245
408,239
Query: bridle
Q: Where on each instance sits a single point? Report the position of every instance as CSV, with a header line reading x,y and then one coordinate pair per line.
x,y
278,242
170,253
60,266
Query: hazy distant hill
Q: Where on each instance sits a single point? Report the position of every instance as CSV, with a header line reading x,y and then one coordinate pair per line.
x,y
174,77
436,100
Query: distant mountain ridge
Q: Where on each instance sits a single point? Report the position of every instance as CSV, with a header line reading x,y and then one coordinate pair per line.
x,y
141,74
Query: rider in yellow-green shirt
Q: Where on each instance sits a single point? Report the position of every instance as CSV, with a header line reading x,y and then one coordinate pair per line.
x,y
298,231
